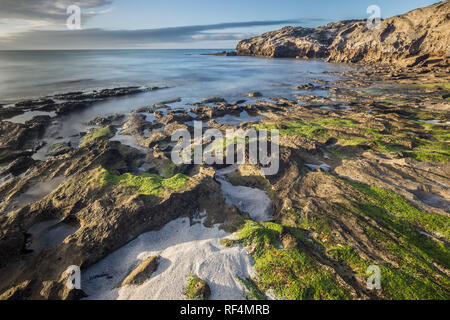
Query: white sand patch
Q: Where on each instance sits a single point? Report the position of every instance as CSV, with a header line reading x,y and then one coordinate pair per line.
x,y
183,249
251,200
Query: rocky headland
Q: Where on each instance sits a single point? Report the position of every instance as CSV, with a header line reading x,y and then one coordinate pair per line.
x,y
418,38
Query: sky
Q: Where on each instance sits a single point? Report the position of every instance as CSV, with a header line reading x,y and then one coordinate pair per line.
x,y
161,24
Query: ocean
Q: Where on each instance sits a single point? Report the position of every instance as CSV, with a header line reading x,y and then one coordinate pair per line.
x,y
189,73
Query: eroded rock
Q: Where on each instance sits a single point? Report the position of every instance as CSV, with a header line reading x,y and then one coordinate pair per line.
x,y
419,37
141,273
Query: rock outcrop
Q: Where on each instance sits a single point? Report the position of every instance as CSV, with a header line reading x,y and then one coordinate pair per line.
x,y
142,272
420,37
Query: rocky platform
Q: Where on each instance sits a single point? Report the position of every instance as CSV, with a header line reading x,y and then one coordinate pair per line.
x,y
363,181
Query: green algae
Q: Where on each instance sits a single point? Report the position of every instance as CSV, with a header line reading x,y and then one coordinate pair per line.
x,y
99,133
148,184
196,288
290,273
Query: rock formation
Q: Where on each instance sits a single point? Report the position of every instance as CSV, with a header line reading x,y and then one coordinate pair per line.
x,y
142,272
419,37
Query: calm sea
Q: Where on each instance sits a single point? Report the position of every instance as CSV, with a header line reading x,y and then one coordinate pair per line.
x,y
190,74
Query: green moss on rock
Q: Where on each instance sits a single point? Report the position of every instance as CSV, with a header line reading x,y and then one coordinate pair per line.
x,y
105,132
251,291
436,85
196,288
148,184
290,273
305,129
168,170
402,209
396,283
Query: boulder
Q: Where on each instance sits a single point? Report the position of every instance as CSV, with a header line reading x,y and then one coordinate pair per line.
x,y
255,94
142,272
59,148
196,288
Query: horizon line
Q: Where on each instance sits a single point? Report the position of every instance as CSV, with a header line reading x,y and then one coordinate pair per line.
x,y
111,49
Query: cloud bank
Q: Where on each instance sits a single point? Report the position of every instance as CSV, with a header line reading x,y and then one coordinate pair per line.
x,y
51,11
143,38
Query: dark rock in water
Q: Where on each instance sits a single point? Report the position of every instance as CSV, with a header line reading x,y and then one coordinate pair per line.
x,y
142,272
27,105
153,88
68,107
70,94
163,103
72,101
222,53
214,100
34,103
35,127
116,92
18,139
7,155
237,102
6,113
103,121
255,94
144,109
308,86
58,149
102,94
419,37
20,165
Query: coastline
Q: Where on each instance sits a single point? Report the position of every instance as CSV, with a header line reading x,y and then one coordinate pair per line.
x,y
362,182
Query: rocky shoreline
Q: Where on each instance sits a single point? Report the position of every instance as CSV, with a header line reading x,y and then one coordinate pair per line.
x,y
362,134
363,181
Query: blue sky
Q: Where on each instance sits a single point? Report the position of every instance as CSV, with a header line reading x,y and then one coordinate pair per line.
x,y
138,14
155,24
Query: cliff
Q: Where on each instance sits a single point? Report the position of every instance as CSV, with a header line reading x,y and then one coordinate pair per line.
x,y
419,37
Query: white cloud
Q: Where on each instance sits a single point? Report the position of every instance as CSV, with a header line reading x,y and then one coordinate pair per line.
x,y
100,38
51,12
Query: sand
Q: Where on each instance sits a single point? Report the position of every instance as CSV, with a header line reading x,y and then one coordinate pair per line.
x,y
183,249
